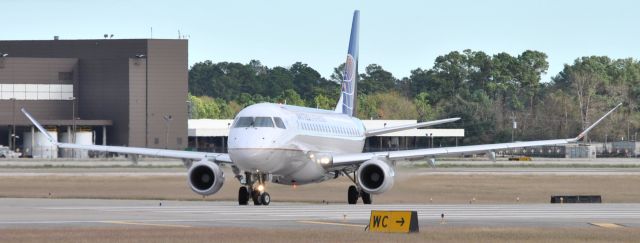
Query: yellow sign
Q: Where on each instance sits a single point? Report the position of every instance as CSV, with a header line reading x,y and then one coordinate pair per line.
x,y
393,221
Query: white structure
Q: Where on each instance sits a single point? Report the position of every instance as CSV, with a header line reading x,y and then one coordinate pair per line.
x,y
38,146
209,127
82,138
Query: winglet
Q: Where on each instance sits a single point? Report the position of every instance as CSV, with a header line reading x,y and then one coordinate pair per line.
x,y
584,133
40,128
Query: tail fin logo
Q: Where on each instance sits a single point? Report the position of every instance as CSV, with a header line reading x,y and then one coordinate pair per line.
x,y
347,85
350,68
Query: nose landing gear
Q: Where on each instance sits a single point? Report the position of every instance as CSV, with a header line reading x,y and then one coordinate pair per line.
x,y
255,193
243,196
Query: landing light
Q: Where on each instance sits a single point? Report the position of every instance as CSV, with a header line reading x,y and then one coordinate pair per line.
x,y
261,188
323,159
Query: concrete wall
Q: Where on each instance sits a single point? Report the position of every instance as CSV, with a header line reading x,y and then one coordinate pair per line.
x,y
109,85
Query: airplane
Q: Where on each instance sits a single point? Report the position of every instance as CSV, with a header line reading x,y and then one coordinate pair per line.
x,y
294,145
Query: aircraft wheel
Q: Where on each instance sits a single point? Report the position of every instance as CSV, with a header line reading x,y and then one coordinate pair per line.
x,y
352,195
255,195
243,196
265,198
366,197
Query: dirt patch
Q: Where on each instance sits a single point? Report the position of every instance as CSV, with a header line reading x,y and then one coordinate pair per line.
x,y
224,234
408,188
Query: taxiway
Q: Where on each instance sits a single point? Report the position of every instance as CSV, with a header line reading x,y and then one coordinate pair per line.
x,y
48,213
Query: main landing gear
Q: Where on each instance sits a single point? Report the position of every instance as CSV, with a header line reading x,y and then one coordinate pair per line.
x,y
354,192
254,192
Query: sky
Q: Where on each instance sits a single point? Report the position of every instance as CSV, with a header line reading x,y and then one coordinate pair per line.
x,y
398,35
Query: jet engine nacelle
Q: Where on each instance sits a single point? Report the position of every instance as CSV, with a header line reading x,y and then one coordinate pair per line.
x,y
375,176
205,177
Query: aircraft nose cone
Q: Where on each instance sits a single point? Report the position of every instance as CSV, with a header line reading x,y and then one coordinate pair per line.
x,y
252,159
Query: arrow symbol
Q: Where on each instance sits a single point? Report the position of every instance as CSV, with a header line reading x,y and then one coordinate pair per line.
x,y
401,222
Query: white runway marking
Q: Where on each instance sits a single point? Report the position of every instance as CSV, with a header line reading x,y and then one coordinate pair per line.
x,y
146,224
43,212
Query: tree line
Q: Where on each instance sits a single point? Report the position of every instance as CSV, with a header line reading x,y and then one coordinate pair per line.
x,y
489,93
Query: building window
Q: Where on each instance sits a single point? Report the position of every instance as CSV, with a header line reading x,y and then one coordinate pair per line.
x,y
65,76
36,91
179,140
156,141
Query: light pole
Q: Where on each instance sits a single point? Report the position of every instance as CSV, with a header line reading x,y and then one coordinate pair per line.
x,y
431,135
429,138
167,123
514,126
73,124
13,124
73,118
189,110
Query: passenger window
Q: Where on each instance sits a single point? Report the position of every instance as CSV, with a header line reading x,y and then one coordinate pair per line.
x,y
263,122
244,122
279,122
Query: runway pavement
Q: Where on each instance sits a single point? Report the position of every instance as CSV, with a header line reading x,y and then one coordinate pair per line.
x,y
150,171
48,213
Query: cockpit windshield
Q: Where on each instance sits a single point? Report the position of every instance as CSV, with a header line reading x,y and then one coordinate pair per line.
x,y
279,122
260,121
263,122
244,122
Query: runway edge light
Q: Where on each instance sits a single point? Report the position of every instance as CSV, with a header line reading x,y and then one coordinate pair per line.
x,y
394,221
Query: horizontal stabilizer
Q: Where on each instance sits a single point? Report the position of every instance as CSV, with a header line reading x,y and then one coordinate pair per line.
x,y
376,132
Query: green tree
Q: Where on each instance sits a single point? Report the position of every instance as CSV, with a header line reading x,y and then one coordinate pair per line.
x,y
322,102
304,79
338,74
390,105
375,80
424,109
291,97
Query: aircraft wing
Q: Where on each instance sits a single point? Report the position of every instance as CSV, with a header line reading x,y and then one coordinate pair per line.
x,y
375,132
341,160
179,154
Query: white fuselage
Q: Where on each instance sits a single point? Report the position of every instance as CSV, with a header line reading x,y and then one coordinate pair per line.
x,y
258,142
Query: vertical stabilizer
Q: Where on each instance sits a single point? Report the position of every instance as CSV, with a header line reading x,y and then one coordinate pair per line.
x,y
347,103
